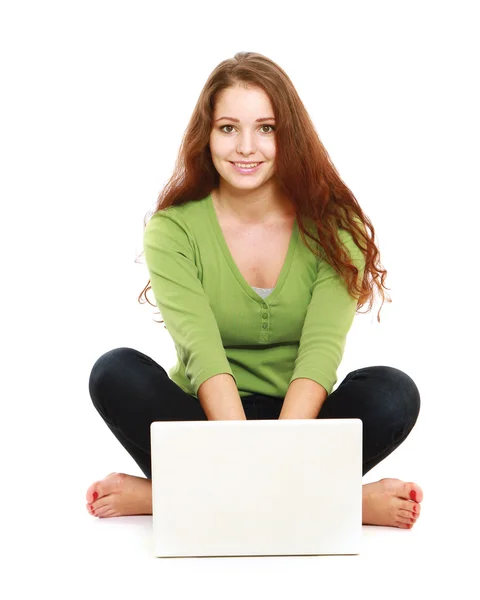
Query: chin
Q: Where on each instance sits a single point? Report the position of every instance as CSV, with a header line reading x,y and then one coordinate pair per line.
x,y
253,185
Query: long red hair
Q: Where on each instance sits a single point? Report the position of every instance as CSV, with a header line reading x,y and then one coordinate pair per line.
x,y
302,166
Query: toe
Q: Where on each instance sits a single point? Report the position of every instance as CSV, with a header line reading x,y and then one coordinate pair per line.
x,y
407,514
102,504
412,507
93,492
406,520
412,491
90,510
102,488
101,510
104,511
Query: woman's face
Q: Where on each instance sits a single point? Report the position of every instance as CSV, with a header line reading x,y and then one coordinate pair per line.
x,y
237,136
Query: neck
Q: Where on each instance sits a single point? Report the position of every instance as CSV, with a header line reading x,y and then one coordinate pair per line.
x,y
252,207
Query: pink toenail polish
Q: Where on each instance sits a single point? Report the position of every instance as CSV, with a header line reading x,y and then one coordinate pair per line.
x,y
414,508
413,495
95,496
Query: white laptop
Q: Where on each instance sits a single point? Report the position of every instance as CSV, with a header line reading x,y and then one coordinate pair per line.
x,y
256,487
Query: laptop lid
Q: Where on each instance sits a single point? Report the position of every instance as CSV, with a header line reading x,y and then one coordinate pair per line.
x,y
257,487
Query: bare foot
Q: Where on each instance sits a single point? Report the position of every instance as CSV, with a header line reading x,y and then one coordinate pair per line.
x,y
392,503
388,502
119,495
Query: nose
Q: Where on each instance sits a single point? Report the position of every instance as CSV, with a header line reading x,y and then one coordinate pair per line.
x,y
246,144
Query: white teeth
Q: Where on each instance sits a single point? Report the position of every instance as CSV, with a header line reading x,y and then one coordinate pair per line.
x,y
248,166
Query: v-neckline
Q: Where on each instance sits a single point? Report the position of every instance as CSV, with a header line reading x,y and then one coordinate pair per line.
x,y
233,265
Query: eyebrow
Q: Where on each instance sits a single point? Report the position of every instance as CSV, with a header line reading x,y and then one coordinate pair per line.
x,y
238,121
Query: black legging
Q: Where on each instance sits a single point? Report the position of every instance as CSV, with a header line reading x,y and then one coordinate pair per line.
x,y
130,391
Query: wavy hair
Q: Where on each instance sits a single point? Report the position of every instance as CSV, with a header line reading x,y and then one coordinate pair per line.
x,y
302,166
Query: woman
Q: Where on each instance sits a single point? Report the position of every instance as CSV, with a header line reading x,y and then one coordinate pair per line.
x,y
259,317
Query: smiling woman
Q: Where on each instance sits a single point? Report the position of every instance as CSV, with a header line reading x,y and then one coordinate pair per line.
x,y
259,319
243,153
251,144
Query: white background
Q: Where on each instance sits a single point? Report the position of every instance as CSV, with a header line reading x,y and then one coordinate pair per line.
x,y
95,99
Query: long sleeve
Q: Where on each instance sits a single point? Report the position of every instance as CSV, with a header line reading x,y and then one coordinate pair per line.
x,y
329,317
181,300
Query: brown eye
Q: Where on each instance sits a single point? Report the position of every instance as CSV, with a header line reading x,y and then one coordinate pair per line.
x,y
223,127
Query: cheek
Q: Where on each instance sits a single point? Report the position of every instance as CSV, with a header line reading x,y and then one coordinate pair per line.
x,y
268,147
211,143
218,145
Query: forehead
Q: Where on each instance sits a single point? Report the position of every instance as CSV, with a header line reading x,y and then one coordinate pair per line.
x,y
243,102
